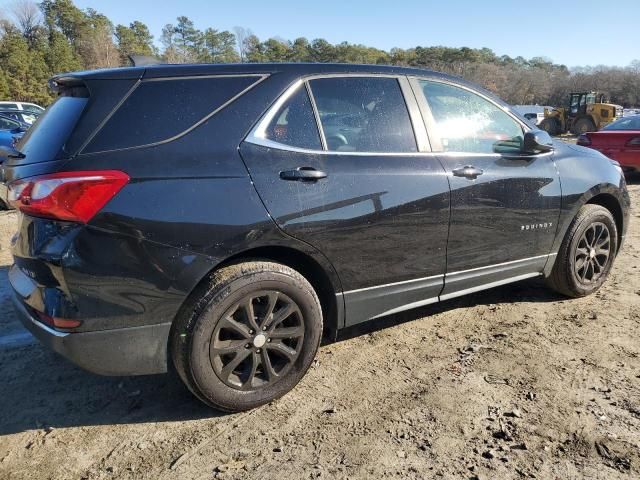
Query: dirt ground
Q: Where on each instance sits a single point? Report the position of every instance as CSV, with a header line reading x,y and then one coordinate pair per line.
x,y
511,383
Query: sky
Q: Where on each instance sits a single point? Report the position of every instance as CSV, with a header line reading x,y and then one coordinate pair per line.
x,y
574,33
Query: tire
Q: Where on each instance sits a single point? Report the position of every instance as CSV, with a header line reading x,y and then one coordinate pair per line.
x,y
550,125
213,331
571,271
582,126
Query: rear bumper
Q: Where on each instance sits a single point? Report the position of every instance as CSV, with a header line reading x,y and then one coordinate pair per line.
x,y
117,352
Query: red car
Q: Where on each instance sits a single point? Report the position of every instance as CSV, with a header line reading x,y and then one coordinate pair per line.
x,y
619,141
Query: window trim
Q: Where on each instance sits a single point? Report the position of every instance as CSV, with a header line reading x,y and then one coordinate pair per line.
x,y
260,78
257,135
430,122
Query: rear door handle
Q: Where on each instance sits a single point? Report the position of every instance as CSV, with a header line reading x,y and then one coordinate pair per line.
x,y
303,174
468,171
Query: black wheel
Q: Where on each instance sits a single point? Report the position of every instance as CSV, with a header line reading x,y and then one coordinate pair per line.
x,y
583,126
550,125
586,254
248,336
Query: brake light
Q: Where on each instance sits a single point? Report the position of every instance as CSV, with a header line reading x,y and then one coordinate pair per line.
x,y
634,142
68,196
584,140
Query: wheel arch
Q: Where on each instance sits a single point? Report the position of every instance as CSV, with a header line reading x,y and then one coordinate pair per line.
x,y
319,273
606,195
611,203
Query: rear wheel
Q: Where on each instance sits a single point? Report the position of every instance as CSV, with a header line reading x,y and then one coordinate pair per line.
x,y
586,254
550,125
583,126
248,336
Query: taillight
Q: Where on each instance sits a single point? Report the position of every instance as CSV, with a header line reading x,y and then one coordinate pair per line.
x,y
57,322
584,140
634,142
68,196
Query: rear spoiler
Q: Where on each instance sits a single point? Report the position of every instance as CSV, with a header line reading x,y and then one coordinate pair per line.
x,y
144,60
69,86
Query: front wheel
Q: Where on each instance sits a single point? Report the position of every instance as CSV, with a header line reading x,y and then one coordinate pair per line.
x,y
586,254
583,126
248,336
550,125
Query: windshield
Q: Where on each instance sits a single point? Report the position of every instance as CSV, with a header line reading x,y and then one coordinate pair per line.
x,y
626,123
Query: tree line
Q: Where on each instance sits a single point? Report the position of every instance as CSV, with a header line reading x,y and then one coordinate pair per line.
x,y
38,40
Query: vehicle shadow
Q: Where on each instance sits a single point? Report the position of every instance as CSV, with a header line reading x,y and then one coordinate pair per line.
x,y
633,179
42,389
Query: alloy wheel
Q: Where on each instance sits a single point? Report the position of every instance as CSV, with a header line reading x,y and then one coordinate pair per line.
x,y
592,253
257,341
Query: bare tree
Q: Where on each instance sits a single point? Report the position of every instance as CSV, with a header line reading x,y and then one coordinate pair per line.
x,y
28,18
242,34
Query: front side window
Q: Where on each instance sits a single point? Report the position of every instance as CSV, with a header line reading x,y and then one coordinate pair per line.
x,y
294,123
467,122
363,114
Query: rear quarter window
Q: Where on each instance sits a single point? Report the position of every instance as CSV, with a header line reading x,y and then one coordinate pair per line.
x,y
160,110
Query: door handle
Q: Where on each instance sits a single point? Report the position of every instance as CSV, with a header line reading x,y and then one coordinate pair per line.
x,y
303,174
468,171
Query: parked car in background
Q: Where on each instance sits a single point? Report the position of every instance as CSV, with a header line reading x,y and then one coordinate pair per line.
x,y
226,217
619,140
11,131
533,113
23,116
25,106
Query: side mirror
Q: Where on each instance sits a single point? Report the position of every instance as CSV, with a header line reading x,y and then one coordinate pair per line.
x,y
537,141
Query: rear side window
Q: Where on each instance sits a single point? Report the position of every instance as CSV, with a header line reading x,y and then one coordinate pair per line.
x,y
45,139
8,123
363,115
294,123
159,110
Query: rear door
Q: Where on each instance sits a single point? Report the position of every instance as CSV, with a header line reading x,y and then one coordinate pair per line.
x,y
343,163
504,206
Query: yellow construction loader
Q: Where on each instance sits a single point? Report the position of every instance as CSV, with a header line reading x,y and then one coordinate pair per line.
x,y
586,112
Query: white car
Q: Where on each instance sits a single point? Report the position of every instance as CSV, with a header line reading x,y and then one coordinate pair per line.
x,y
25,107
533,113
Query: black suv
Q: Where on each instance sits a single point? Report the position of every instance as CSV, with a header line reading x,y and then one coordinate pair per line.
x,y
224,218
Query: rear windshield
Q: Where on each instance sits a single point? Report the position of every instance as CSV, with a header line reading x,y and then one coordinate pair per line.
x,y
626,123
45,139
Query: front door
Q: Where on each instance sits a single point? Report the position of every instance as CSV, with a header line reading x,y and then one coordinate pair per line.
x,y
504,206
357,187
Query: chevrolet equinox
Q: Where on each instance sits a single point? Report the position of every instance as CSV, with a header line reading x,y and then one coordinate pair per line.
x,y
223,218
